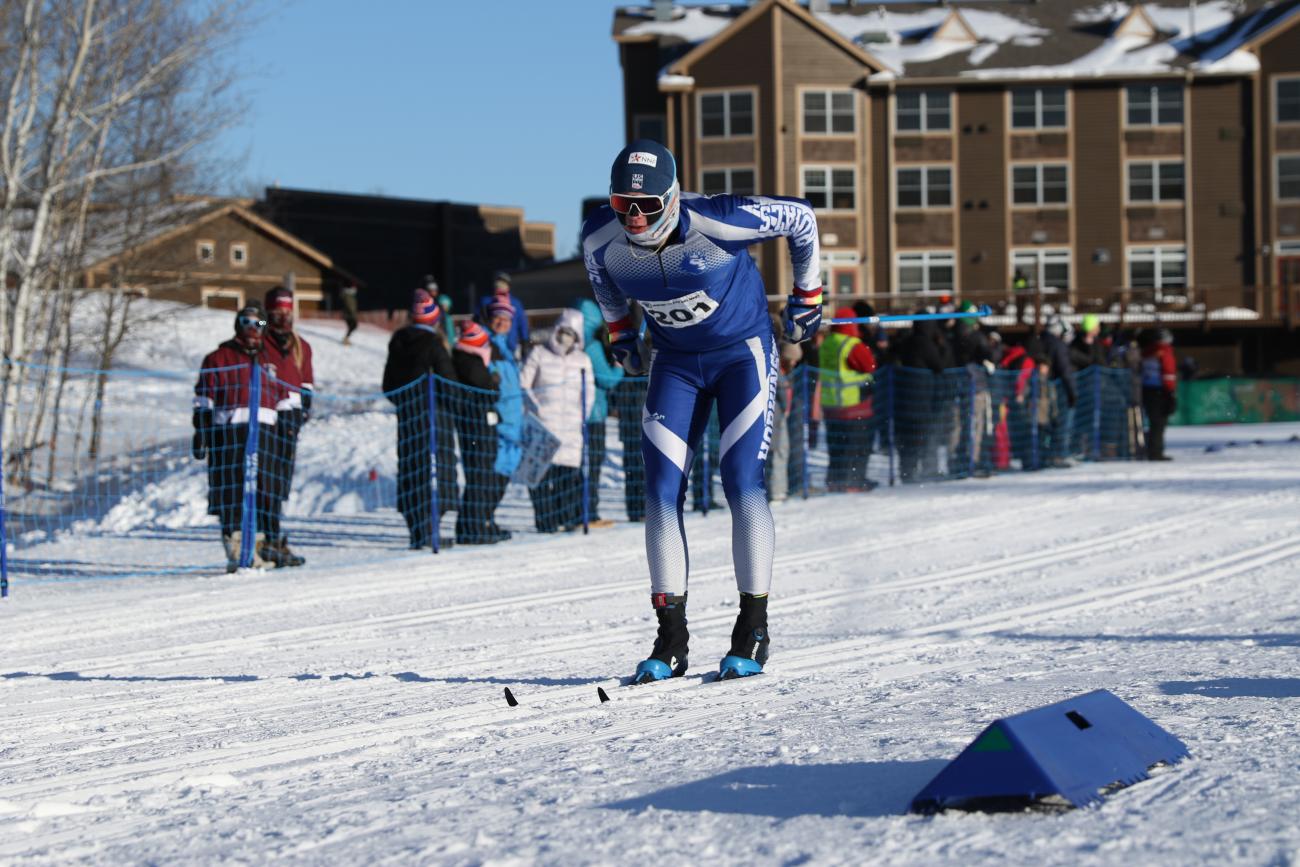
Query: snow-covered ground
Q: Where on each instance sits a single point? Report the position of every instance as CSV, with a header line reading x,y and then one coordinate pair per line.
x,y
355,715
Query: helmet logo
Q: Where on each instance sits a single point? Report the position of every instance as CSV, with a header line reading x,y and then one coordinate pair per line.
x,y
638,181
642,158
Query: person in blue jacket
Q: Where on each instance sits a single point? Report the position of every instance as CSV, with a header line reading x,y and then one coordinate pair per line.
x,y
606,376
518,337
509,405
683,258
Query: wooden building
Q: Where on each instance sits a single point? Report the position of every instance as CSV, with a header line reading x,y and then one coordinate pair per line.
x,y
1139,162
213,252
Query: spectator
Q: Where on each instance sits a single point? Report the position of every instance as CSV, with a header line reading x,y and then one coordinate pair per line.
x,y
1086,349
918,401
288,359
415,352
847,365
1056,347
448,325
221,426
1013,397
975,353
348,297
778,457
509,406
1159,388
606,375
557,376
476,418
518,338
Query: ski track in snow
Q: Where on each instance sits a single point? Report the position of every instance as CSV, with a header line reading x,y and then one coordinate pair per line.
x,y
349,715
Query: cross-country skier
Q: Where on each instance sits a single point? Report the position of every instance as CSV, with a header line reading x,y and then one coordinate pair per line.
x,y
682,257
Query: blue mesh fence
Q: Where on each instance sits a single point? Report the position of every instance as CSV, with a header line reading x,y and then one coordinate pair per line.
x,y
120,473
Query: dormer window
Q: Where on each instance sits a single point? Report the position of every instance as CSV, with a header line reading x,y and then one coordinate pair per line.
x,y
1137,24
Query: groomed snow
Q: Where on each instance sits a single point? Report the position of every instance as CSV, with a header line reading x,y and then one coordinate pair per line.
x,y
355,715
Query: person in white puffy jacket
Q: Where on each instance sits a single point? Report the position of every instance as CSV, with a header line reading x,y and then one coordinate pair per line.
x,y
558,376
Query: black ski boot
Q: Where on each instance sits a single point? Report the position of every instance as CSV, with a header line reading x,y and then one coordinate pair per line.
x,y
668,659
749,640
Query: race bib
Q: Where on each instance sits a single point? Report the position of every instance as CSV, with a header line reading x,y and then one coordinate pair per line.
x,y
681,312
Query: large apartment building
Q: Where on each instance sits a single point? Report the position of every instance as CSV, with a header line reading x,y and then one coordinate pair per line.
x,y
1135,158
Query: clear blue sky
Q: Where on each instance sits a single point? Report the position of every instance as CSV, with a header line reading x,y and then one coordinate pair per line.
x,y
511,102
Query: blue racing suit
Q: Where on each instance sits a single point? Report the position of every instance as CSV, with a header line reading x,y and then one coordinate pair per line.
x,y
707,313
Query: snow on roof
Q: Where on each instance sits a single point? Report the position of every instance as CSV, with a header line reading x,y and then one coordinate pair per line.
x,y
689,23
1025,41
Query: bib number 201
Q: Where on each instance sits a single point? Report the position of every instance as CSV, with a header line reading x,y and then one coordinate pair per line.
x,y
681,312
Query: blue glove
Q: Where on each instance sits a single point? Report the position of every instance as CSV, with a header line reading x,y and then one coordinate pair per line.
x,y
629,352
800,319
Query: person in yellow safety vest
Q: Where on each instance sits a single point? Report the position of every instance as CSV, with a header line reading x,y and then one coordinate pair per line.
x,y
846,366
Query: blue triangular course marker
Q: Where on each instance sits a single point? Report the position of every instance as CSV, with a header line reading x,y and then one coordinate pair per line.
x,y
1071,753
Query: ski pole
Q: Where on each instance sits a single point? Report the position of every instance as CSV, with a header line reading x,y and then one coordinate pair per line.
x,y
982,310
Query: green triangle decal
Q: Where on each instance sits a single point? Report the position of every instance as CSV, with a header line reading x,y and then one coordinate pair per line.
x,y
994,740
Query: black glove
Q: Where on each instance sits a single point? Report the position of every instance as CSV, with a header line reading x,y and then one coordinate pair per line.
x,y
306,404
202,427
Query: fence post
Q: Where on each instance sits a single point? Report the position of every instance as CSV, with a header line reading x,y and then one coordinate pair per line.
x,y
1033,420
248,515
586,458
435,514
971,420
804,445
4,538
1096,412
893,440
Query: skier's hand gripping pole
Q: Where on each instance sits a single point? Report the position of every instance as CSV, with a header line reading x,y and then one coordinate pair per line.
x,y
802,315
628,347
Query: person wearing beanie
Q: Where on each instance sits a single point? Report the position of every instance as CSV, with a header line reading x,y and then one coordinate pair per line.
x,y
685,259
288,357
476,418
415,353
518,337
222,418
557,376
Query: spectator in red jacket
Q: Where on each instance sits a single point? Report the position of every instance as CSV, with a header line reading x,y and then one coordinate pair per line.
x,y
223,420
1159,388
847,365
288,359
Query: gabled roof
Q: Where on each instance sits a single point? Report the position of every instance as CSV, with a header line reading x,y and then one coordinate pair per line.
x,y
996,39
682,66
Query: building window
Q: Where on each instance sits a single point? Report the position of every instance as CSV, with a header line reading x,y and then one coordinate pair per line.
x,y
239,255
1048,269
926,272
923,111
1040,184
206,251
831,188
925,187
727,115
651,126
736,182
1155,104
1038,108
1288,100
1157,267
1288,177
829,112
1155,181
